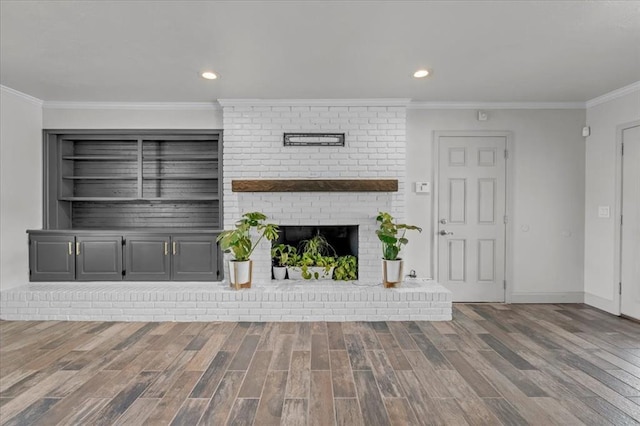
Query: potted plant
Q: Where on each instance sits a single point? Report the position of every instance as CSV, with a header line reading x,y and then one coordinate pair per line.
x,y
316,261
239,242
346,268
392,236
281,255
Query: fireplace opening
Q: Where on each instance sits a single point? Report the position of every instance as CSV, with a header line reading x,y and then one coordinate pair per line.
x,y
343,238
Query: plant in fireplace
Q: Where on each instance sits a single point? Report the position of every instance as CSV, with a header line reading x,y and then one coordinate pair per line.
x,y
242,241
392,236
283,255
316,259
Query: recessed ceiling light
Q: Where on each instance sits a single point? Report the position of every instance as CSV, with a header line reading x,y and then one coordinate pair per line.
x,y
421,73
209,75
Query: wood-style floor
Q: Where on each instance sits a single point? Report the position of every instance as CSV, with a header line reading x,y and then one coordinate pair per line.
x,y
493,364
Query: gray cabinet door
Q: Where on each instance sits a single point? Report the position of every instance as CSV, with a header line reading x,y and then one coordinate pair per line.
x,y
194,258
99,258
52,258
147,258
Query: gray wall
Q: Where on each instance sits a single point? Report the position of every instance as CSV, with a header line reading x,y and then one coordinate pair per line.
x,y
20,183
548,195
601,285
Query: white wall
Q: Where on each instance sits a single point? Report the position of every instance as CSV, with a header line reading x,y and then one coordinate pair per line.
x,y
600,271
133,118
20,183
548,188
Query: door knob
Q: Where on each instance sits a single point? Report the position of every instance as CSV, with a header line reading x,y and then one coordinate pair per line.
x,y
443,232
443,221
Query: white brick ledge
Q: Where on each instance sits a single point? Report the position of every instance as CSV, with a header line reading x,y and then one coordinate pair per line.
x,y
417,300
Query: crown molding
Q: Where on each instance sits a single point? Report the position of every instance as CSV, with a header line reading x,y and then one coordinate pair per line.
x,y
186,106
21,95
615,94
497,105
401,102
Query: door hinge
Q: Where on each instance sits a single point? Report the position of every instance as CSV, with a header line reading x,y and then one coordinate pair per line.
x,y
620,220
506,154
124,241
506,219
30,273
620,288
622,152
504,284
124,272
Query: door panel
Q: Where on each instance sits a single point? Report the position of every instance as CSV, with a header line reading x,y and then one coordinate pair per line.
x,y
194,258
147,258
630,229
471,209
52,258
99,258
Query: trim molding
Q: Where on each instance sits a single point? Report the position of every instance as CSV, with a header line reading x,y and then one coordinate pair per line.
x,y
497,105
187,106
615,94
401,102
562,297
602,303
22,95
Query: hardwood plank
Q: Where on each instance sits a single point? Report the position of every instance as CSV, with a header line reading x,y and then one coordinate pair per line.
x,y
190,412
173,399
320,399
394,352
384,375
421,403
371,404
302,341
348,412
336,336
400,412
517,377
294,412
245,352
504,351
319,352
272,398
429,350
243,412
477,382
256,374
282,352
220,405
504,411
30,414
211,377
299,378
138,412
357,353
341,375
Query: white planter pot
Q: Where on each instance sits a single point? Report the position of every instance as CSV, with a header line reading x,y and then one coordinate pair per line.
x,y
279,272
295,273
240,273
392,272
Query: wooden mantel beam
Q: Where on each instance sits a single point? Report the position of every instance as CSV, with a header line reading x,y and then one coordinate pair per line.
x,y
315,185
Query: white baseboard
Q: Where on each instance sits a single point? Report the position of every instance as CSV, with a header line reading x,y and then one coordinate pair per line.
x,y
564,297
601,303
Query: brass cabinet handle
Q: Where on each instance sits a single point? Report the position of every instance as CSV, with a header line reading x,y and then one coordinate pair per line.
x,y
166,248
70,248
77,249
175,248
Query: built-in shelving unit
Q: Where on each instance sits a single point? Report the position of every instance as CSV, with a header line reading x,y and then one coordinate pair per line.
x,y
129,205
98,179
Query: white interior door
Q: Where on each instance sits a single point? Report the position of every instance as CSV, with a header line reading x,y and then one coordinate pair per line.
x,y
471,217
630,228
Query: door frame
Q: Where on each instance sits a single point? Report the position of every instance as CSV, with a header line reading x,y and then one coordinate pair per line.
x,y
617,215
509,192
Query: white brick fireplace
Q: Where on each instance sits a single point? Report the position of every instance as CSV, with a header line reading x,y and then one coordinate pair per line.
x,y
375,148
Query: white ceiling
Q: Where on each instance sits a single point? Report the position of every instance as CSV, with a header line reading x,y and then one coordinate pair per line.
x,y
479,51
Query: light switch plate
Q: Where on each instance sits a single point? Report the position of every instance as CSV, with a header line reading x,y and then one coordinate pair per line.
x,y
423,187
604,211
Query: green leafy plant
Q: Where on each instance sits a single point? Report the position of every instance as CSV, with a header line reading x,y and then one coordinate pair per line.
x,y
283,255
346,268
316,252
392,235
238,241
317,245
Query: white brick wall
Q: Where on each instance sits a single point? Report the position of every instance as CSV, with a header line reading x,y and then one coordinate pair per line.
x,y
291,301
375,148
